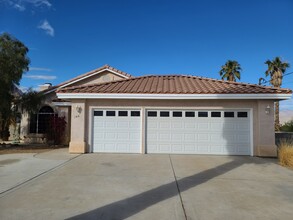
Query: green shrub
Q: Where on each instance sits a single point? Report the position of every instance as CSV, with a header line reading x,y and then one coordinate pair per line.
x,y
288,126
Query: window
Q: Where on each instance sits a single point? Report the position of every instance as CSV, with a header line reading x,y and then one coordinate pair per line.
x,y
39,122
177,114
135,113
123,113
152,114
110,113
229,114
242,114
202,114
164,114
189,114
216,114
98,113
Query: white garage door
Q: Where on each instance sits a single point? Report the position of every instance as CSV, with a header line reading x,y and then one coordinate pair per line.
x,y
117,131
219,132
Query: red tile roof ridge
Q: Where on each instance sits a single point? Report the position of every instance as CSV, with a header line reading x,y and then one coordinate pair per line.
x,y
173,76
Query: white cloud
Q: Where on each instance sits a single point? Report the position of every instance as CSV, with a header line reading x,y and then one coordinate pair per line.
x,y
47,28
40,77
40,69
38,3
19,7
21,4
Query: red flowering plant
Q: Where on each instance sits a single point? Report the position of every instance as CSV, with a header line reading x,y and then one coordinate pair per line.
x,y
56,129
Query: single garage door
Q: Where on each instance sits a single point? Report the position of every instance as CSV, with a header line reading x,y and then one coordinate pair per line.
x,y
117,131
219,132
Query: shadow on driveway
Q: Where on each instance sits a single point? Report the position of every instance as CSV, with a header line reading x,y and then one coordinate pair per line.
x,y
130,206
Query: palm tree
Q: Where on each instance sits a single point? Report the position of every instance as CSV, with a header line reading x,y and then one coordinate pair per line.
x,y
276,69
231,70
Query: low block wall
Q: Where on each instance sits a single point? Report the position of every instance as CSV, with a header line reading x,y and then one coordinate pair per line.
x,y
283,136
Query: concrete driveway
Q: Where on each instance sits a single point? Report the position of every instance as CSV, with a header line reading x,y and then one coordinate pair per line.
x,y
124,186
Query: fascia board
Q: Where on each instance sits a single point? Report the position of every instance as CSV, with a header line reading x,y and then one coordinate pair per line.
x,y
171,96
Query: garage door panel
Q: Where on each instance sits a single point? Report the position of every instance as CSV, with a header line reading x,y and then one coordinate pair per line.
x,y
203,137
202,132
190,125
99,125
190,147
203,148
243,127
152,136
229,138
135,124
243,138
123,124
218,149
216,126
164,124
176,137
203,126
164,136
117,131
190,137
216,137
242,148
152,124
177,125
110,136
177,148
135,136
110,124
229,126
122,136
122,146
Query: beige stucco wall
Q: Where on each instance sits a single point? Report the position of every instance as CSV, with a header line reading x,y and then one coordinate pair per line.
x,y
263,124
79,120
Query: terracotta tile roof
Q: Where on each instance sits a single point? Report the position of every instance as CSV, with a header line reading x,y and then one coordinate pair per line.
x,y
105,67
174,84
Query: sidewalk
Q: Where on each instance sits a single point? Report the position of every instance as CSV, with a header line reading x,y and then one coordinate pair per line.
x,y
16,169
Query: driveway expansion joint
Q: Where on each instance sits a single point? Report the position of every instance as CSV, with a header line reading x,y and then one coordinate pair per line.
x,y
178,189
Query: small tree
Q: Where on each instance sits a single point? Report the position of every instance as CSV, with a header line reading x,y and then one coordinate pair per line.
x,y
56,129
13,63
30,101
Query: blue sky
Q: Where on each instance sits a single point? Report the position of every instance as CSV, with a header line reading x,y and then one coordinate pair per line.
x,y
68,38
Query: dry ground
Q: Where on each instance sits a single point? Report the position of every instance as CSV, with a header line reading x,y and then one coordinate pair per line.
x,y
26,148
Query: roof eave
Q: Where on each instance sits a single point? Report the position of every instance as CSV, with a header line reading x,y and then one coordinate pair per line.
x,y
171,96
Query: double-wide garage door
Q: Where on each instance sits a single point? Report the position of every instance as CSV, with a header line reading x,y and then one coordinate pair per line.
x,y
219,132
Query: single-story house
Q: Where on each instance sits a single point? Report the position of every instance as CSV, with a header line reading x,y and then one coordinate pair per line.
x,y
109,111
